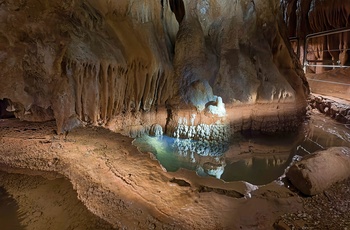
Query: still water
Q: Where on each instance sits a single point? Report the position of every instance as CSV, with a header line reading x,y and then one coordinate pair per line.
x,y
258,159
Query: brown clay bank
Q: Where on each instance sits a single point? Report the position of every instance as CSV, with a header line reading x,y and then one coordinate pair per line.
x,y
128,189
43,200
335,108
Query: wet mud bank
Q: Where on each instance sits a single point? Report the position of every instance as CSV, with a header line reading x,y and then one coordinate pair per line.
x,y
9,215
335,108
128,189
41,200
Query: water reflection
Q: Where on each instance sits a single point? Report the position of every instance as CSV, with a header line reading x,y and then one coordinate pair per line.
x,y
174,154
257,159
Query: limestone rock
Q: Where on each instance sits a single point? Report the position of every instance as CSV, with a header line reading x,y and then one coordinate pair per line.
x,y
156,130
112,61
337,110
6,110
135,131
318,171
199,94
304,17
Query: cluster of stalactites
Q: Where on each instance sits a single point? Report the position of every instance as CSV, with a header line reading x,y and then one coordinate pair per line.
x,y
102,90
326,15
315,15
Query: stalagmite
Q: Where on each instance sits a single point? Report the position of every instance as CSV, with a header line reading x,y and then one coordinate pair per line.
x,y
122,64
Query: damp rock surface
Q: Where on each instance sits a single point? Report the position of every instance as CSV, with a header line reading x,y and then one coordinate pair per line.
x,y
130,190
317,172
127,63
327,210
335,108
47,203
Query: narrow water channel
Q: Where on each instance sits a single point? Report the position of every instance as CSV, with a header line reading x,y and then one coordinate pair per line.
x,y
258,159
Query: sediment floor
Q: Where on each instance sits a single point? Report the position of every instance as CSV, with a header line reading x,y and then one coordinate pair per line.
x,y
130,190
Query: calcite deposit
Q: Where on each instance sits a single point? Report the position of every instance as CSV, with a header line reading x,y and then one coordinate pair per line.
x,y
126,64
307,17
198,69
317,172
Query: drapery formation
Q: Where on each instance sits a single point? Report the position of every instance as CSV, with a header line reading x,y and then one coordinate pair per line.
x,y
122,63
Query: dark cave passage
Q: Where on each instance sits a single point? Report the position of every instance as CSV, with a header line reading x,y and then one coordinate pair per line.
x,y
178,7
4,113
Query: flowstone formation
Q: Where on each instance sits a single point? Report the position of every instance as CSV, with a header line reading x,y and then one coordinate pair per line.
x,y
318,171
305,17
128,65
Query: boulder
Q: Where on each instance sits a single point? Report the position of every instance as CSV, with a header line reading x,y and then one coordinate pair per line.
x,y
317,172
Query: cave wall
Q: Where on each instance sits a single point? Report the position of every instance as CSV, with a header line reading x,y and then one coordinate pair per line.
x,y
86,60
128,63
304,17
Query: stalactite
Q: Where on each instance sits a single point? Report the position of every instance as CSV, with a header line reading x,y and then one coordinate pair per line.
x,y
314,16
326,15
104,90
118,58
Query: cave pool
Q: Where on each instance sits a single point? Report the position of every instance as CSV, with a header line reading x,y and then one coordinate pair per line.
x,y
257,159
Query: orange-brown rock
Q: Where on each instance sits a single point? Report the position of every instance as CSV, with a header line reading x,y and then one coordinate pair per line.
x,y
125,63
305,17
318,171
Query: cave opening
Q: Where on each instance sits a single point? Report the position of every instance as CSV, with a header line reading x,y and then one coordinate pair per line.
x,y
178,8
5,110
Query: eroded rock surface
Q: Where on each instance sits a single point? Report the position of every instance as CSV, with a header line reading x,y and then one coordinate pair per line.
x,y
130,190
46,202
125,63
317,172
335,108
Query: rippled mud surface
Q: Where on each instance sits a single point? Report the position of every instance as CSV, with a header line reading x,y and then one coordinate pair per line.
x,y
258,159
9,216
35,202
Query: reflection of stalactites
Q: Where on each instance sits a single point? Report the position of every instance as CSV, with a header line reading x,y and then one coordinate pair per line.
x,y
270,161
193,159
214,169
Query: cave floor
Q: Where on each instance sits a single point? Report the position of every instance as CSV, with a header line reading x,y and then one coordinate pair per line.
x,y
334,84
130,190
42,200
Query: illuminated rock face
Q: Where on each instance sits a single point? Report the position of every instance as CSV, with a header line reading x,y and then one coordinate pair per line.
x,y
304,17
317,172
136,63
